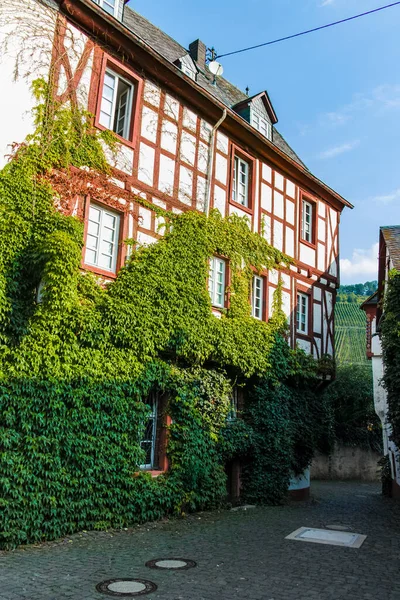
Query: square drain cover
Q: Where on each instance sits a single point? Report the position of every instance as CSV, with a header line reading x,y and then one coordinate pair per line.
x,y
324,536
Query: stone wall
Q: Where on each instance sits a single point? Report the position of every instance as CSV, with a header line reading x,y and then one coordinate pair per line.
x,y
347,463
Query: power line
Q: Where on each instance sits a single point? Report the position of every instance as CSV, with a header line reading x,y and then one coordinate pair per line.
x,y
290,37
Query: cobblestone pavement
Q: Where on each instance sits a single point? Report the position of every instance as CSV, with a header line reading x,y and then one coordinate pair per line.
x,y
240,554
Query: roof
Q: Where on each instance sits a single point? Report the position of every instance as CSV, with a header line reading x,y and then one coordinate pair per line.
x,y
391,235
224,91
266,101
370,301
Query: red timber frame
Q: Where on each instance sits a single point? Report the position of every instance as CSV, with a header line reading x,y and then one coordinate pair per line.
x,y
135,62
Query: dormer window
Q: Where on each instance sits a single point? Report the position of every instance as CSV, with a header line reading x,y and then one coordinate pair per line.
x,y
259,112
187,66
261,124
109,6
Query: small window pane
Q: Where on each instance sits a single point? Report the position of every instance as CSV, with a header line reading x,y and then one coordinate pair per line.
x,y
216,281
101,246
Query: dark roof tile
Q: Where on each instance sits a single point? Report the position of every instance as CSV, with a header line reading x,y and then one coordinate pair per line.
x,y
391,235
224,91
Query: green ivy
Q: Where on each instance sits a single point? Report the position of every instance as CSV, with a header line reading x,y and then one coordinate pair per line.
x,y
77,368
391,351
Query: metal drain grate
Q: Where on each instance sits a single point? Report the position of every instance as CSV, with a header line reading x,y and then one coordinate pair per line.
x,y
324,536
126,587
176,564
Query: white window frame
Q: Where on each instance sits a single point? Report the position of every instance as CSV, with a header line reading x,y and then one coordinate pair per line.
x,y
240,166
233,405
128,118
216,277
261,124
100,239
257,294
101,3
152,439
307,221
302,310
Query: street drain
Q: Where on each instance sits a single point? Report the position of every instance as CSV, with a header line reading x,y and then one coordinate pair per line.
x,y
323,536
126,587
177,564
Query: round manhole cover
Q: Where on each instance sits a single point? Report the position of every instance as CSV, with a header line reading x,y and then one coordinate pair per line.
x,y
126,587
338,527
176,564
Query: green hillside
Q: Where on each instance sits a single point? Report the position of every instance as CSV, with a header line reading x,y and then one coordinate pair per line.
x,y
350,333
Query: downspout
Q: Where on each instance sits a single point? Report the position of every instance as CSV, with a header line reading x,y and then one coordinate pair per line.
x,y
211,162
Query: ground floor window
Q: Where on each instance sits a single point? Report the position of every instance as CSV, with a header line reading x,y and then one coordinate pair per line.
x,y
149,438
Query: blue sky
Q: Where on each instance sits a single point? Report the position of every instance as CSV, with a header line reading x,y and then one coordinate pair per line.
x,y
336,94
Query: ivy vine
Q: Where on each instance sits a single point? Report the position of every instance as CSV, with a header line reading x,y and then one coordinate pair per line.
x,y
77,368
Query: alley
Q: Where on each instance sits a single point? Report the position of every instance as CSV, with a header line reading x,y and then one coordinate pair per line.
x,y
239,554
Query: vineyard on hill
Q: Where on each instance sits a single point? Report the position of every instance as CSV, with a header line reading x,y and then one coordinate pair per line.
x,y
350,333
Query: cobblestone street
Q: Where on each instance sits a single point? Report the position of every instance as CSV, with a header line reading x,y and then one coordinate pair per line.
x,y
239,554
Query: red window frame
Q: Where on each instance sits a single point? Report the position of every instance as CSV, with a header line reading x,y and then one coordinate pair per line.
x,y
236,151
123,234
314,204
137,83
306,292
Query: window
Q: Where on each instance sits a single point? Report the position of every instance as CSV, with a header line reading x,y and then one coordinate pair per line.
x,y
302,313
116,104
102,238
149,438
261,124
307,232
241,177
216,281
189,72
234,403
109,6
257,294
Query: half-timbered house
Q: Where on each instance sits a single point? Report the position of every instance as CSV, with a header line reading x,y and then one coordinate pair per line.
x,y
188,141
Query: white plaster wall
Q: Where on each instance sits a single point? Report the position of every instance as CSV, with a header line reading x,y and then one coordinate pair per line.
x,y
290,212
221,168
146,164
167,173
267,173
149,124
16,99
220,200
278,204
321,258
307,255
279,181
304,345
266,197
289,242
278,235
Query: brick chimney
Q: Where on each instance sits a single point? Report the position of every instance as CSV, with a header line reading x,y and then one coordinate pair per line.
x,y
197,51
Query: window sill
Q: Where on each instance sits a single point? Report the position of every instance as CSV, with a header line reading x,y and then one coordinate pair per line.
x,y
304,336
309,244
119,138
98,271
246,209
152,473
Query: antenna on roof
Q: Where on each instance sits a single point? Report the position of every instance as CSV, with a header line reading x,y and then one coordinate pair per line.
x,y
247,90
216,69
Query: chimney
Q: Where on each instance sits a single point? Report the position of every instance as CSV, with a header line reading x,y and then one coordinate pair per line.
x,y
197,51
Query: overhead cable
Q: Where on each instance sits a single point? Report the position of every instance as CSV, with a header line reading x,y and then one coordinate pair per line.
x,y
290,37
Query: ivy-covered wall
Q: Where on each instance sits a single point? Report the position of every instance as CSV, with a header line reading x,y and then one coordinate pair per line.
x,y
391,351
77,368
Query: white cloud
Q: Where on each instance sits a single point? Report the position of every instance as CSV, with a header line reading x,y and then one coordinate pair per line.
x,y
382,98
337,150
363,264
388,198
326,2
